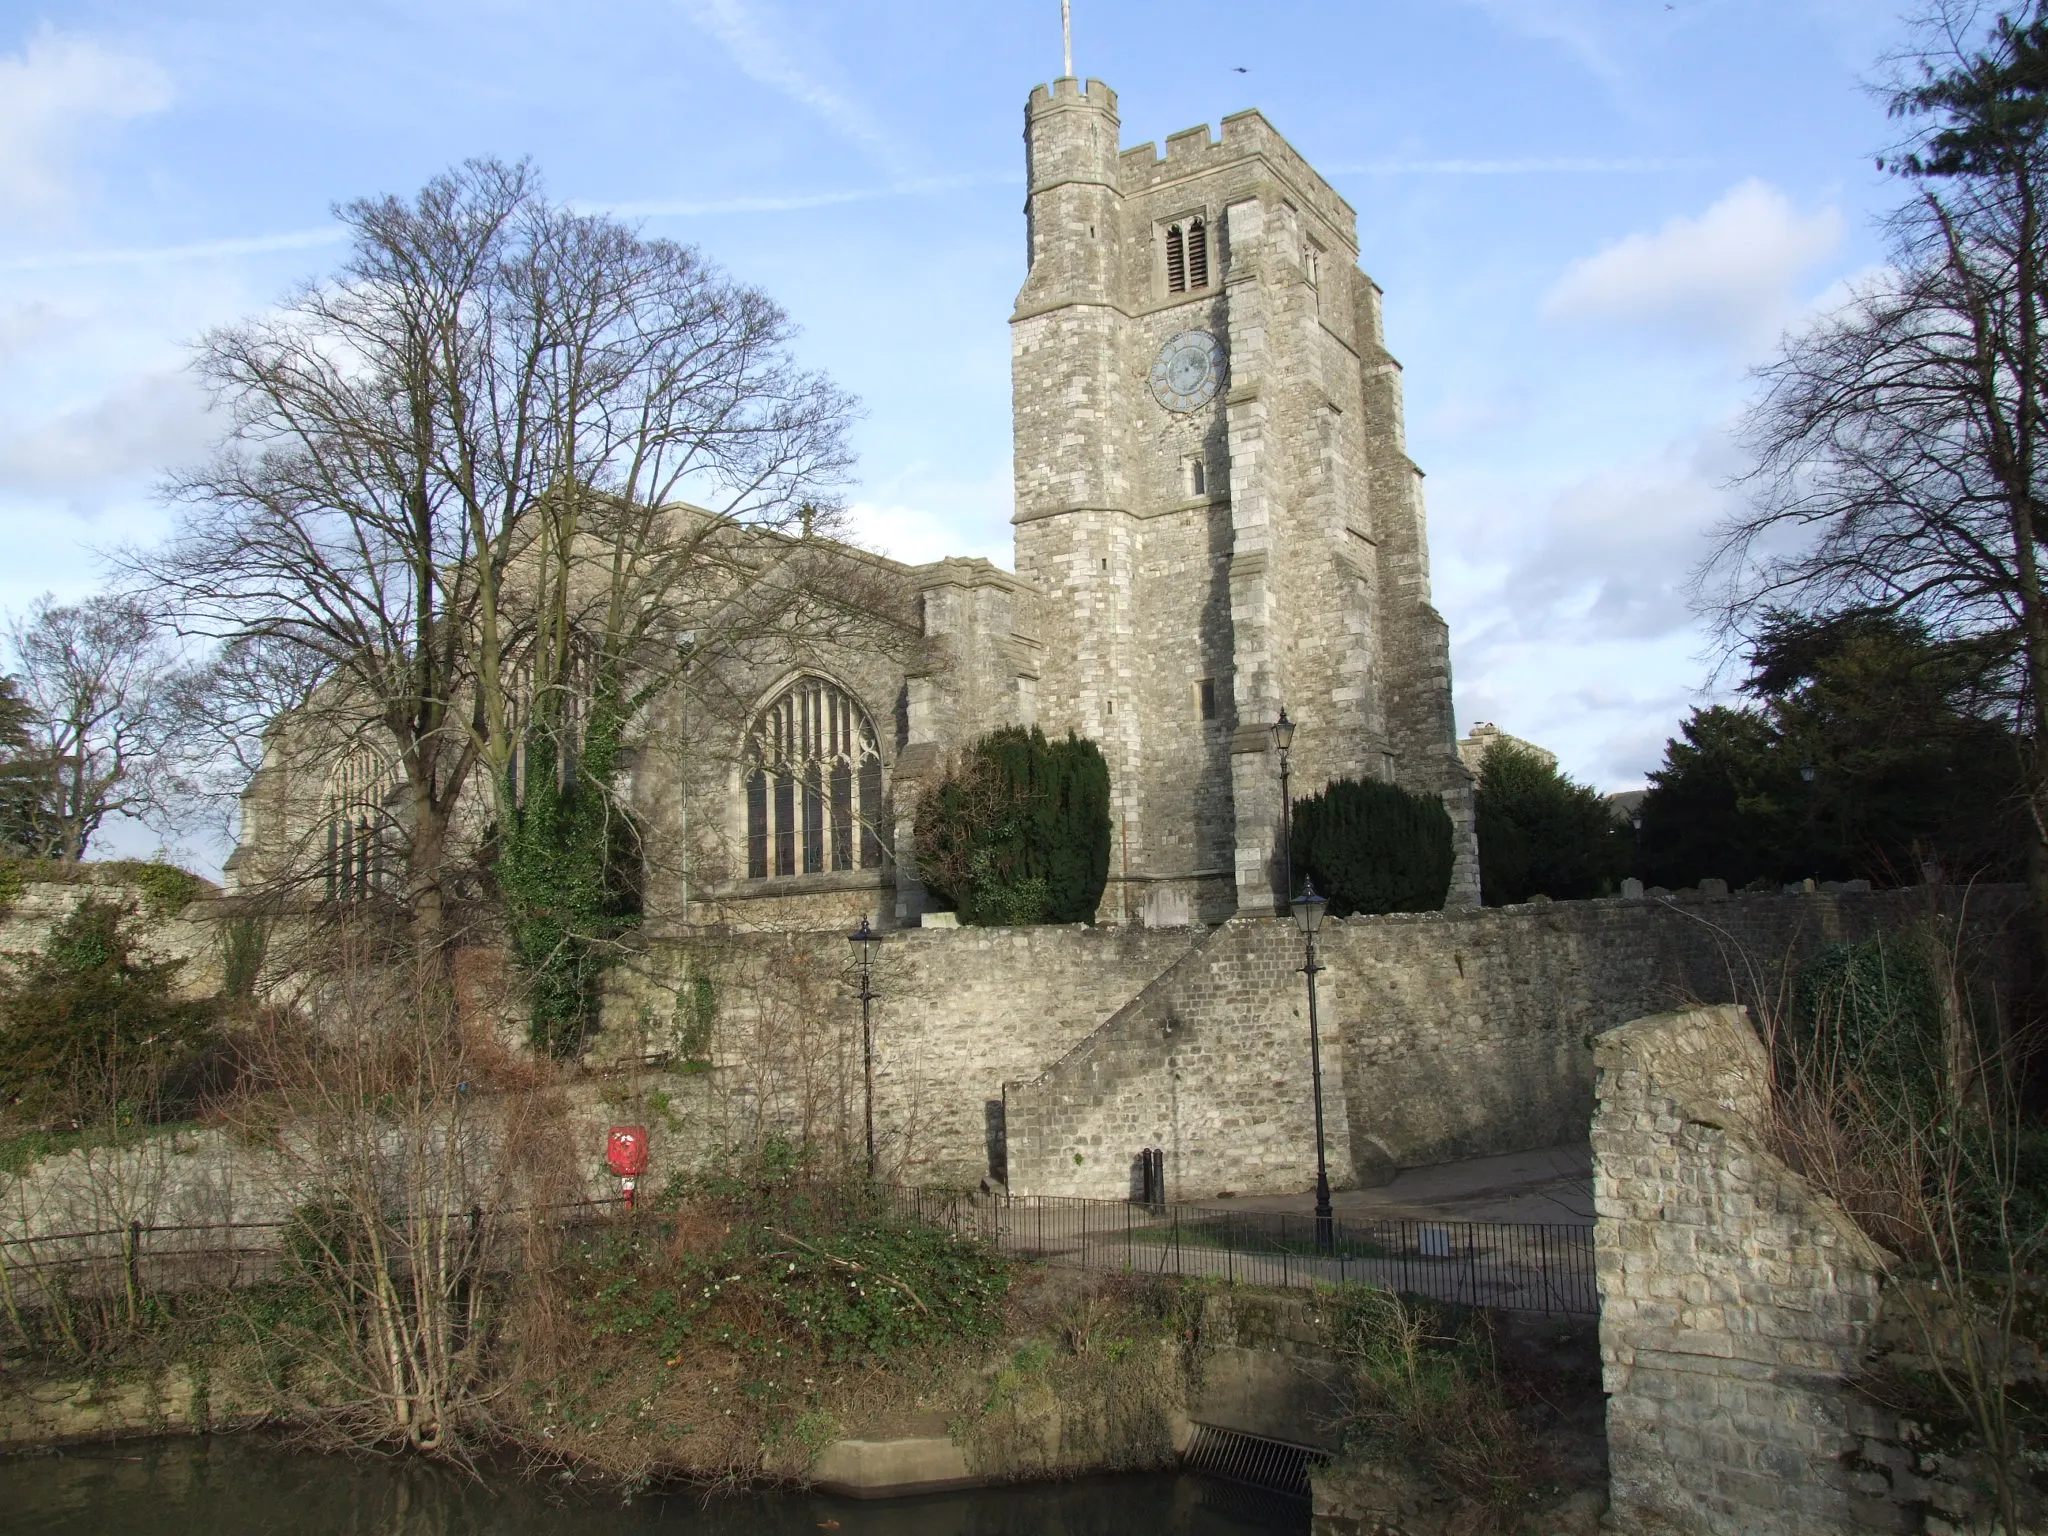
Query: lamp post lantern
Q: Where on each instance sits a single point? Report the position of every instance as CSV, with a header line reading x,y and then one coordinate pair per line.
x,y
864,941
1308,917
1283,738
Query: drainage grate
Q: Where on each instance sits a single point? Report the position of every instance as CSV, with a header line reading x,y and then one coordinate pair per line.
x,y
1274,1465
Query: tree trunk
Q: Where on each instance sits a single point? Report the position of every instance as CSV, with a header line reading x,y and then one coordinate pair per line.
x,y
425,871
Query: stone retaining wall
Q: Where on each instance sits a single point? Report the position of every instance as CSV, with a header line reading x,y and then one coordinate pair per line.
x,y
1735,1299
1445,1036
1740,1310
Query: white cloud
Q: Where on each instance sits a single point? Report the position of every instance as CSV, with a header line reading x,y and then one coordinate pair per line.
x,y
1569,616
1615,548
767,48
917,537
1577,26
1730,274
53,95
29,325
154,255
142,426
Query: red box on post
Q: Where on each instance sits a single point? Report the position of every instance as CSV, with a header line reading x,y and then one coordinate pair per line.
x,y
626,1150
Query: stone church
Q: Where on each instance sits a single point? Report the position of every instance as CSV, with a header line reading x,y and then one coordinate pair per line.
x,y
1216,519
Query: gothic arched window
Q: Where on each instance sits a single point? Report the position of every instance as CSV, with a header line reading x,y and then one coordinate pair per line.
x,y
1198,254
814,784
1176,261
357,823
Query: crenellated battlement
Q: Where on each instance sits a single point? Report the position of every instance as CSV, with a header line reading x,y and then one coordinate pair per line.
x,y
1245,136
1069,91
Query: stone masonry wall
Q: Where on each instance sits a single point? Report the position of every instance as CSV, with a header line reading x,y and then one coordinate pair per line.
x,y
190,937
1470,1032
957,1013
1208,1063
1735,1299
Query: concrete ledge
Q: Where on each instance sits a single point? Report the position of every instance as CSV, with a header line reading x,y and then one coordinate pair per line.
x,y
889,1469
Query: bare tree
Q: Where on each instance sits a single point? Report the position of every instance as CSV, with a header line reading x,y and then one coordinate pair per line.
x,y
219,713
96,677
1899,461
1897,440
454,476
423,1164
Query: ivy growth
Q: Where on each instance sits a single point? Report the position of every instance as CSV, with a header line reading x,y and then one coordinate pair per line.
x,y
567,868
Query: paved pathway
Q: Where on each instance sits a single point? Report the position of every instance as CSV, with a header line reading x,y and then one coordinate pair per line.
x,y
1550,1184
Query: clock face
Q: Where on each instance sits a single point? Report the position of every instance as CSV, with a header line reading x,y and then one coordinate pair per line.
x,y
1187,371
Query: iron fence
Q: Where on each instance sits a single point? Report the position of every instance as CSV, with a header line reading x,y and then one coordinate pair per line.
x,y
1530,1267
1519,1266
151,1258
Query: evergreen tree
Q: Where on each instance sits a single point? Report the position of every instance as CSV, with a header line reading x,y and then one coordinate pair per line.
x,y
1541,834
1904,767
92,1031
1722,806
1373,847
1020,833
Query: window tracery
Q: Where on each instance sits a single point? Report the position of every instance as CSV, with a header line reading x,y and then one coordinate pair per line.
x,y
358,789
813,784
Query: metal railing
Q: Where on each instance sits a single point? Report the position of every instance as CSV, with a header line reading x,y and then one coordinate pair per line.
x,y
147,1257
1518,1266
1530,1267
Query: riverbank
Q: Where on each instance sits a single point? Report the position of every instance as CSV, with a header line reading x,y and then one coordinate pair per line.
x,y
1072,1388
770,1328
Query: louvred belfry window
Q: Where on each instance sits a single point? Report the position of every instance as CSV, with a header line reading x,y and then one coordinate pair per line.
x,y
1198,255
813,784
1176,261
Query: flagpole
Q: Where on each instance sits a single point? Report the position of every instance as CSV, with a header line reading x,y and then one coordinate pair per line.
x,y
1067,33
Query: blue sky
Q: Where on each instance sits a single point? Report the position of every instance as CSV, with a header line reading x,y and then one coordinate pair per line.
x,y
1591,218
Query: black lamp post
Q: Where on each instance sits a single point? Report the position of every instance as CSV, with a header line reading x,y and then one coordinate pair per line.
x,y
1283,738
1308,917
1808,772
864,941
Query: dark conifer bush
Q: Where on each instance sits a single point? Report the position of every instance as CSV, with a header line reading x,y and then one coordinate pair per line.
x,y
1374,847
93,1031
1541,834
1019,833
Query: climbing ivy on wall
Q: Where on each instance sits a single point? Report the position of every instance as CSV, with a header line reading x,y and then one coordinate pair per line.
x,y
1373,847
1019,832
568,871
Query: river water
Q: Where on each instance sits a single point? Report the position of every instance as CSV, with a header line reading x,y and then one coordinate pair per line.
x,y
249,1486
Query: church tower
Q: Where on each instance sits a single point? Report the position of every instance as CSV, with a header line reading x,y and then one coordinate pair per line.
x,y
1214,501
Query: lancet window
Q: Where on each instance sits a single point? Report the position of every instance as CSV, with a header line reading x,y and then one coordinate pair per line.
x,y
1198,254
358,825
1176,260
814,784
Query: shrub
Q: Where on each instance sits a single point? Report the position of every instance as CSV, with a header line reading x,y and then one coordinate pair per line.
x,y
1019,833
93,1031
780,1264
1425,1385
1540,834
1373,847
1873,1010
